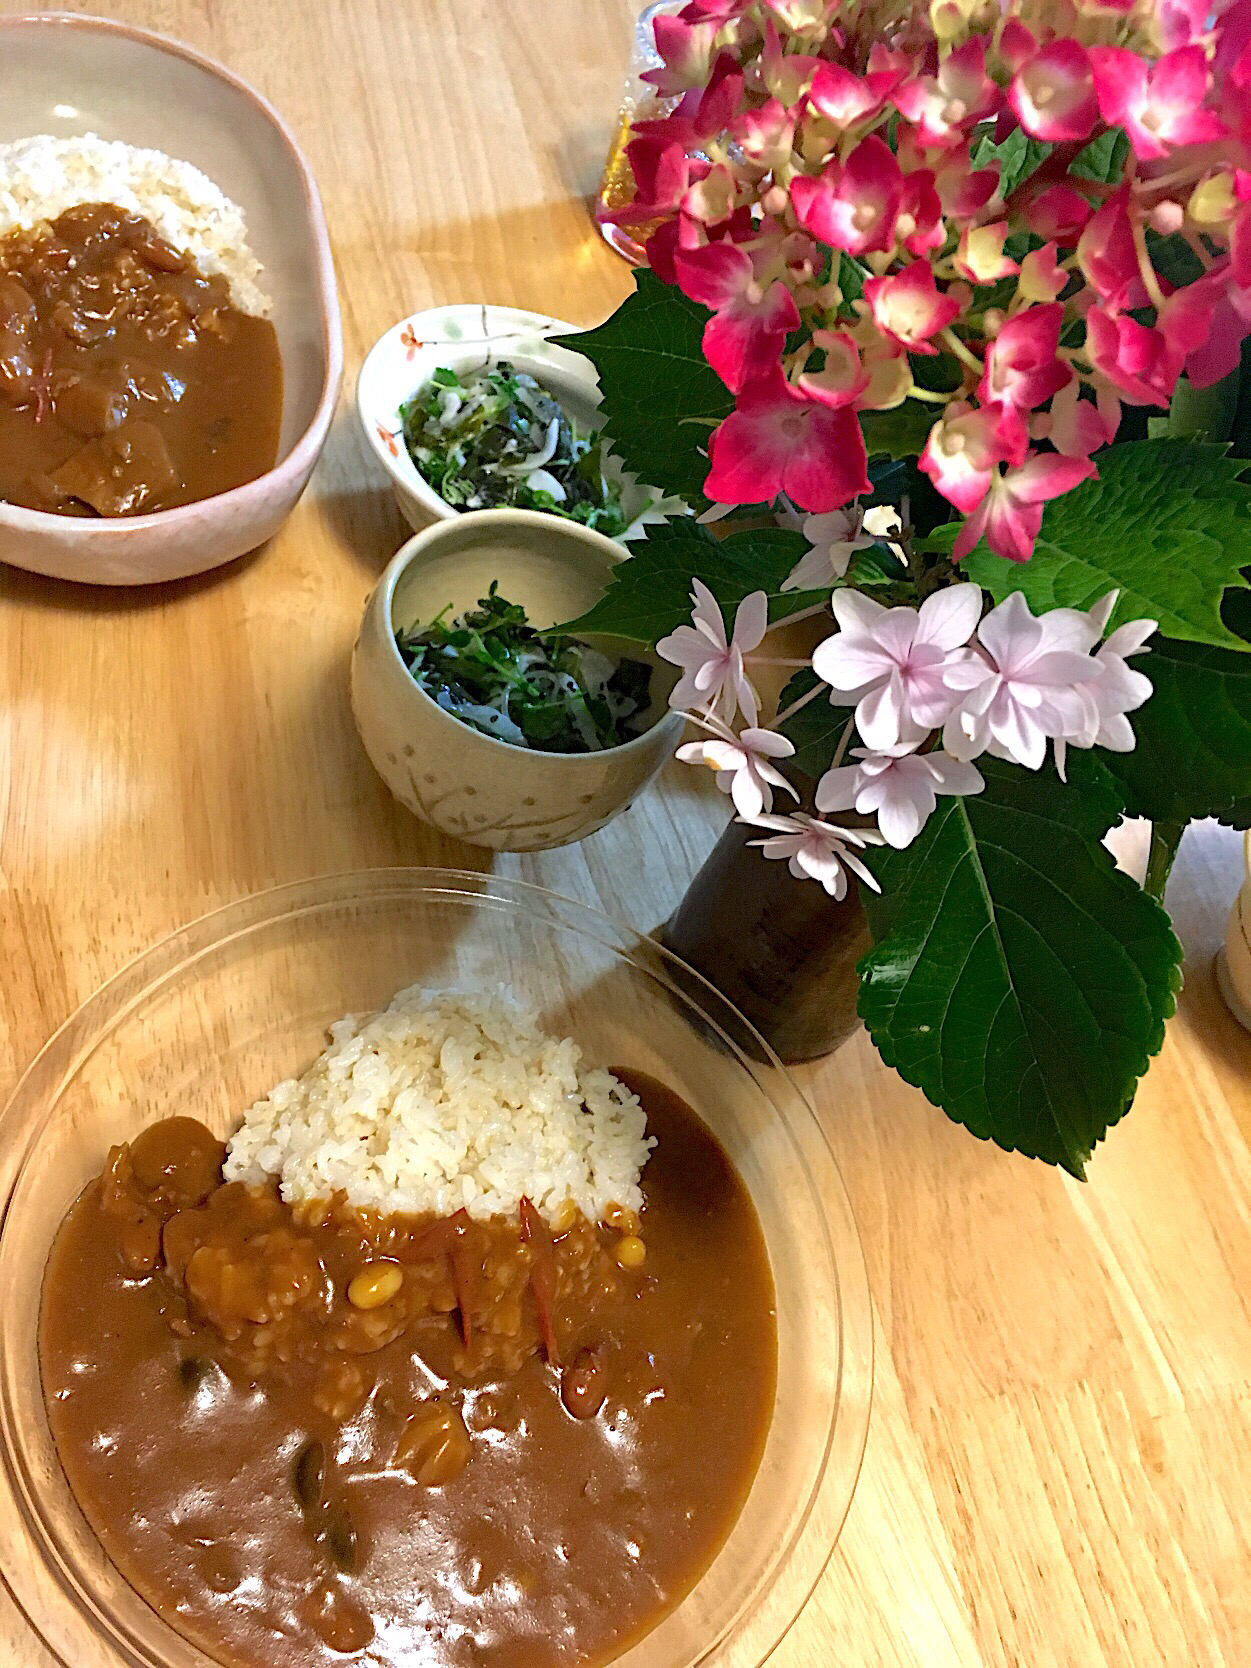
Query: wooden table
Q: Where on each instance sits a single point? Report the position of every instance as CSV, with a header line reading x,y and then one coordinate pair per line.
x,y
1059,1461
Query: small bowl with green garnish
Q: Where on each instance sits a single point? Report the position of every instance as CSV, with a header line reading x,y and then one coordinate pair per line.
x,y
474,408
482,719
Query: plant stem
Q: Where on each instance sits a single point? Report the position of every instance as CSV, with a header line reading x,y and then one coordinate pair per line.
x,y
801,614
963,353
1165,839
789,712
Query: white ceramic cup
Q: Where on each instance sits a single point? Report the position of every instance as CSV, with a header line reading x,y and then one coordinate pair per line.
x,y
1233,961
467,784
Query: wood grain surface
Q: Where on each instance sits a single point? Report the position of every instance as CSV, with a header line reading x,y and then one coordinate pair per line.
x,y
1059,1461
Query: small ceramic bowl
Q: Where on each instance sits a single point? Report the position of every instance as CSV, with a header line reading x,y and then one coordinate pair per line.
x,y
1233,960
67,76
470,337
489,792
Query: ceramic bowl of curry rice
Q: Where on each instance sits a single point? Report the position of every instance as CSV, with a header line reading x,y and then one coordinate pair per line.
x,y
416,1269
170,346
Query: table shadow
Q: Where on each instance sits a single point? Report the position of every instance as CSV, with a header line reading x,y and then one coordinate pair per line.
x,y
74,596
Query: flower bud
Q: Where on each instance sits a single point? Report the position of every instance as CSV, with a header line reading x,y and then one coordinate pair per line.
x,y
1213,200
1166,218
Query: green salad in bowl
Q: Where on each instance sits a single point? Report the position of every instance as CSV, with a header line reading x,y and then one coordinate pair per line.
x,y
494,437
539,689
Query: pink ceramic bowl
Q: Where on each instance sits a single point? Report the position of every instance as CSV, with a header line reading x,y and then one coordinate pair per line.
x,y
68,75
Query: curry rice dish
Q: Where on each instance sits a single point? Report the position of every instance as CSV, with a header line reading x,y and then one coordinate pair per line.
x,y
509,1434
137,369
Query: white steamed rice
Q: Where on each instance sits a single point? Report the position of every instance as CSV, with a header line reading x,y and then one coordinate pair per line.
x,y
42,176
442,1102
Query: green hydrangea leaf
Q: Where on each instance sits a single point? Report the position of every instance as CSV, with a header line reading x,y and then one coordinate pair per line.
x,y
815,729
850,278
1167,523
1104,158
899,433
1017,977
1193,757
661,398
650,594
1018,157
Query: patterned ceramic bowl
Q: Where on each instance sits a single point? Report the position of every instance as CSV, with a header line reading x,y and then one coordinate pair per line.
x,y
469,337
72,75
489,792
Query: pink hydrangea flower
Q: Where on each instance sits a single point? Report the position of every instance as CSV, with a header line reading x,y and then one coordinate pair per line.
x,y
662,176
712,197
1205,324
1042,279
901,789
844,98
1053,94
1078,427
843,377
852,205
743,763
1022,367
745,336
1108,255
893,663
786,76
686,47
780,440
815,850
979,255
714,673
965,448
1017,44
1136,358
1160,108
963,191
908,307
776,152
919,225
765,135
1010,515
1059,212
945,105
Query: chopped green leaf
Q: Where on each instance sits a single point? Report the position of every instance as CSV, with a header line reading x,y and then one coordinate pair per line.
x,y
498,437
537,689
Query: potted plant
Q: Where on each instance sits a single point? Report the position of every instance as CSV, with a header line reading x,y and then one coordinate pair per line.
x,y
958,296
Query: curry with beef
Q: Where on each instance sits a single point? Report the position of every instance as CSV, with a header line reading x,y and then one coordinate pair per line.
x,y
306,1433
129,382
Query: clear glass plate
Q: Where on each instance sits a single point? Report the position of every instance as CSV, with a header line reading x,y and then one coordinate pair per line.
x,y
216,1014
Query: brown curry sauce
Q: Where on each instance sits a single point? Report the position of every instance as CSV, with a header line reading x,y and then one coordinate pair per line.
x,y
129,382
519,1454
